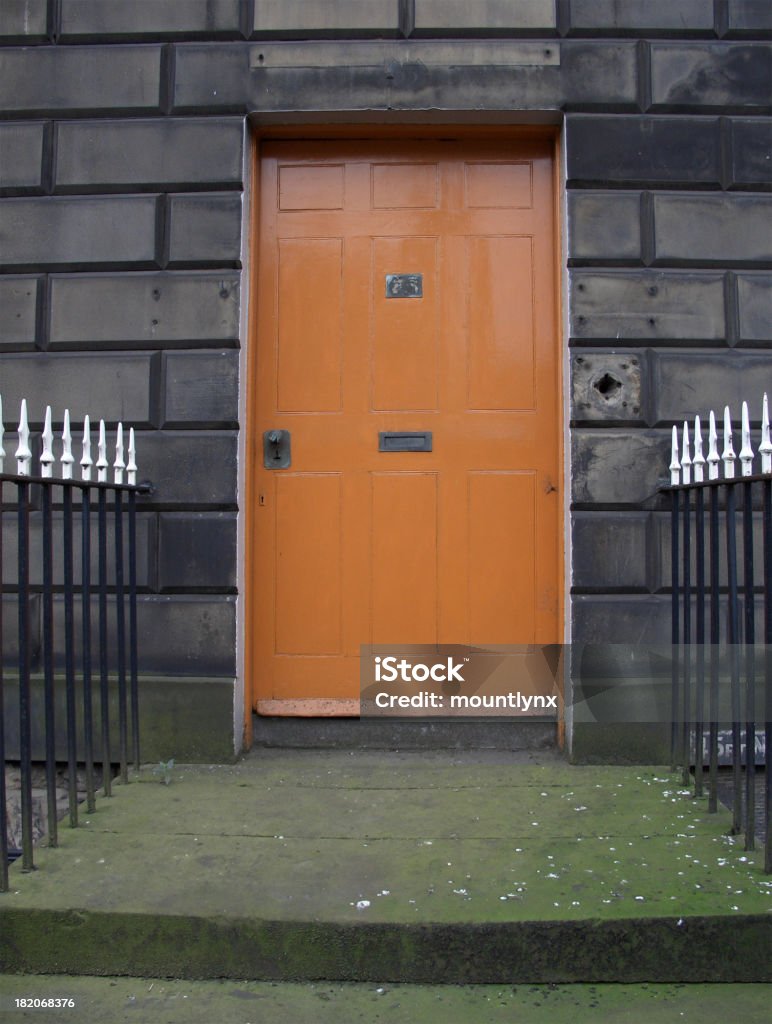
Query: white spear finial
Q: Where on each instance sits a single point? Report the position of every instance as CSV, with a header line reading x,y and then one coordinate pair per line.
x,y
728,454
699,459
746,452
765,448
686,461
86,461
67,457
119,465
2,431
47,455
23,452
675,465
102,462
713,457
131,467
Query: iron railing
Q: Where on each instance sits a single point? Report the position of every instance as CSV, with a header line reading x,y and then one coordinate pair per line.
x,y
106,518
722,616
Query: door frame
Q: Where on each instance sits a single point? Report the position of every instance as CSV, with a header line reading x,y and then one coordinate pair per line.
x,y
250,448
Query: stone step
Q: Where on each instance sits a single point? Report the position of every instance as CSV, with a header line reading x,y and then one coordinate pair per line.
x,y
536,734
485,867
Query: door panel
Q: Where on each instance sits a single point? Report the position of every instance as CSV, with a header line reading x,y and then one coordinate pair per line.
x,y
352,545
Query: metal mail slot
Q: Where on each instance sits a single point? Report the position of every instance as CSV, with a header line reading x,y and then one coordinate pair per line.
x,y
405,441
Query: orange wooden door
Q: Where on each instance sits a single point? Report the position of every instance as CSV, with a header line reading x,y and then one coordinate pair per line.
x,y
355,545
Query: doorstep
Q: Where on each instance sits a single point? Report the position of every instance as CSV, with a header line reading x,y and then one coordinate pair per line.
x,y
449,867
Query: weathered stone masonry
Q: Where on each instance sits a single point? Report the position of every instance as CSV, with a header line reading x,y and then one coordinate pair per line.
x,y
121,221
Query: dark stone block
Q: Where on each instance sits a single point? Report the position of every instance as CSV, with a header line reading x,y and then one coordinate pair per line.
x,y
201,389
752,153
620,620
205,229
158,19
755,298
150,310
494,18
685,386
21,158
24,21
598,76
102,385
643,150
647,305
642,17
663,579
750,18
435,75
606,387
712,77
179,634
303,19
616,467
190,469
604,226
197,551
134,155
188,635
57,232
146,545
712,229
80,79
211,77
18,311
610,551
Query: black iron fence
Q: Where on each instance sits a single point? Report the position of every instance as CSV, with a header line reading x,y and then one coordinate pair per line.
x,y
721,564
75,558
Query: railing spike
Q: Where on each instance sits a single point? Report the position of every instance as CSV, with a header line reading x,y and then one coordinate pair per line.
x,y
765,448
102,463
746,452
2,432
131,467
47,455
713,457
23,452
699,459
120,464
728,454
686,461
675,465
86,462
67,457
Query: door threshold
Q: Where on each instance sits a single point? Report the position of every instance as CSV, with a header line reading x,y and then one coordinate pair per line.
x,y
317,707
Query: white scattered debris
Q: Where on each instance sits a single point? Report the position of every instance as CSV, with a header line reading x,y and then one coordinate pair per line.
x,y
363,904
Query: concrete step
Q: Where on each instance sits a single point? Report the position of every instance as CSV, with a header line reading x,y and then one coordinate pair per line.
x,y
487,867
536,734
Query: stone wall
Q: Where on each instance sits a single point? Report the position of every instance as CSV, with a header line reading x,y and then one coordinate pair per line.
x,y
122,156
